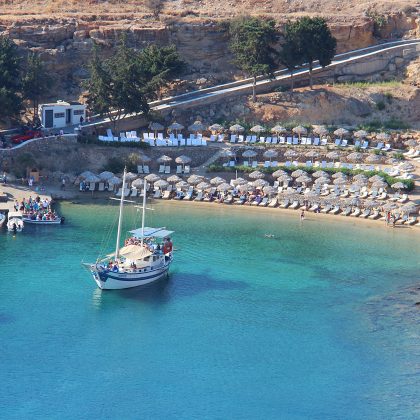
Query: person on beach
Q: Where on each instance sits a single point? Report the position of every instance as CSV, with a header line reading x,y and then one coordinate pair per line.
x,y
63,184
388,217
302,215
394,219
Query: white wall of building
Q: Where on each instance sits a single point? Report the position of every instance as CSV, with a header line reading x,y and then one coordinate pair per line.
x,y
61,115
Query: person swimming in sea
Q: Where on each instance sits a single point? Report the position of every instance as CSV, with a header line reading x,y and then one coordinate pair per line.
x,y
269,235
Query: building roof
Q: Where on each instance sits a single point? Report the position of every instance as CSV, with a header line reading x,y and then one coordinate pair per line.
x,y
63,103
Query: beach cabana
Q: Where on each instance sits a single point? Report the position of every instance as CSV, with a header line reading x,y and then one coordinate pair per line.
x,y
256,175
236,128
299,130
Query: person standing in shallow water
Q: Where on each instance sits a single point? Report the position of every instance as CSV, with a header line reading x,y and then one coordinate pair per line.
x,y
302,215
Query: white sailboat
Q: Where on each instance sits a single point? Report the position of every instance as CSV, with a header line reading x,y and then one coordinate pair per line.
x,y
143,259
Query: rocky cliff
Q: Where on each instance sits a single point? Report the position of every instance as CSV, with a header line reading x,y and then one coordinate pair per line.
x,y
63,32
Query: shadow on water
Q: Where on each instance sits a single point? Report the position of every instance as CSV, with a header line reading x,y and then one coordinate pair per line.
x,y
175,286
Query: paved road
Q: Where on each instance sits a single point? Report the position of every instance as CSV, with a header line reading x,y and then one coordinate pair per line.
x,y
245,85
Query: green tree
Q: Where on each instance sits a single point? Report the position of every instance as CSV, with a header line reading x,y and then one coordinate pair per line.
x,y
312,40
10,99
251,42
290,55
35,81
160,65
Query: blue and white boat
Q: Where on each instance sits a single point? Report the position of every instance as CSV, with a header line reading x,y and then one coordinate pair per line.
x,y
144,258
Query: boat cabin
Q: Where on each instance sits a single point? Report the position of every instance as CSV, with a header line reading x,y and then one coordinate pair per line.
x,y
61,114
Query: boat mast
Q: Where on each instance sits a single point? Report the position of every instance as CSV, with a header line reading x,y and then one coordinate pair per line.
x,y
143,211
117,246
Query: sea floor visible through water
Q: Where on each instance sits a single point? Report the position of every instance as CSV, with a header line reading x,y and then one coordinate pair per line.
x,y
316,321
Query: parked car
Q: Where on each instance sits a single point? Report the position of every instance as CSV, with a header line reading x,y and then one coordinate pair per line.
x,y
27,135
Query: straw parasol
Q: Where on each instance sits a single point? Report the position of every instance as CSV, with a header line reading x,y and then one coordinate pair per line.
x,y
340,181
278,129
392,161
105,175
299,130
256,175
246,188
224,187
175,127
152,178
260,183
298,173
321,130
196,126
369,204
304,179
322,180
360,182
203,185
380,184
290,153
195,179
360,176
373,159
182,184
217,180
130,176
92,178
155,126
86,174
278,173
339,175
116,181
341,132
227,153
249,154
239,181
406,167
383,136
285,179
216,128
236,128
269,190
312,154
164,159
399,186
389,206
183,160
161,183
375,178
360,134
411,143
409,208
333,155
354,157
270,154
258,129
137,183
318,174
144,158
173,178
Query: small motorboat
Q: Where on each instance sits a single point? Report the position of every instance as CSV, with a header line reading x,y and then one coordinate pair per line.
x,y
15,221
57,221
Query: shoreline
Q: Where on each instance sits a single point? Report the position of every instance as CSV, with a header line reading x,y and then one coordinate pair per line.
x,y
74,196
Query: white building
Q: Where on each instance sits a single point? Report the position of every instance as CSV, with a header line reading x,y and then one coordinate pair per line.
x,y
61,114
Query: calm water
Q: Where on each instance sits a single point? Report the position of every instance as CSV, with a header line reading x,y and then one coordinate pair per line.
x,y
296,327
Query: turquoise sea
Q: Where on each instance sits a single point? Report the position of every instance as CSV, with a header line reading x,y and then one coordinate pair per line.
x,y
314,323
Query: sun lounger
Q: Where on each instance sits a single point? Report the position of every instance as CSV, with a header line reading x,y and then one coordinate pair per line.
x,y
365,145
167,169
264,202
166,194
295,205
157,194
233,138
187,169
356,213
335,210
179,169
383,196
324,141
267,164
101,186
326,209
199,197
375,215
412,221
134,192
314,207
285,204
282,140
146,169
365,213
337,142
403,199
254,164
92,186
379,146
346,211
316,141
273,202
274,140
161,169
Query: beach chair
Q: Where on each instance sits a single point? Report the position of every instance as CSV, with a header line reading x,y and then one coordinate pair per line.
x,y
254,164
240,138
282,140
337,142
356,213
179,169
167,169
162,169
134,192
273,202
387,147
324,141
146,169
187,169
233,138
379,146
316,141
365,145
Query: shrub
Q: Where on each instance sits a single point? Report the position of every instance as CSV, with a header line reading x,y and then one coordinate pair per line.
x,y
380,105
91,139
398,155
389,96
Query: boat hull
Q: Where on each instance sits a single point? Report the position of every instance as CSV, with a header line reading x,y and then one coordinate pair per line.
x,y
110,280
43,222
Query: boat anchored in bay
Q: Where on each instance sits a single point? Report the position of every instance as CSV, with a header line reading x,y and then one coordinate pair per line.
x,y
144,258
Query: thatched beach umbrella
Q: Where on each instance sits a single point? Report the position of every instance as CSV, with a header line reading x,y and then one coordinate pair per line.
x,y
380,184
175,127
114,181
373,159
392,161
360,176
183,160
224,187
298,173
341,132
375,178
249,154
182,185
290,153
321,130
411,143
322,180
285,179
196,126
217,180
333,155
319,174
340,181
239,181
383,137
203,185
278,173
155,126
409,208
360,134
312,154
86,174
152,178
164,159
260,183
130,176
105,175
278,129
195,179
144,158
370,204
299,130
269,190
256,175
137,183
246,188
339,175
236,128
92,178
258,129
389,206
406,167
173,178
354,157
271,153
303,179
399,186
161,183
228,153
216,128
